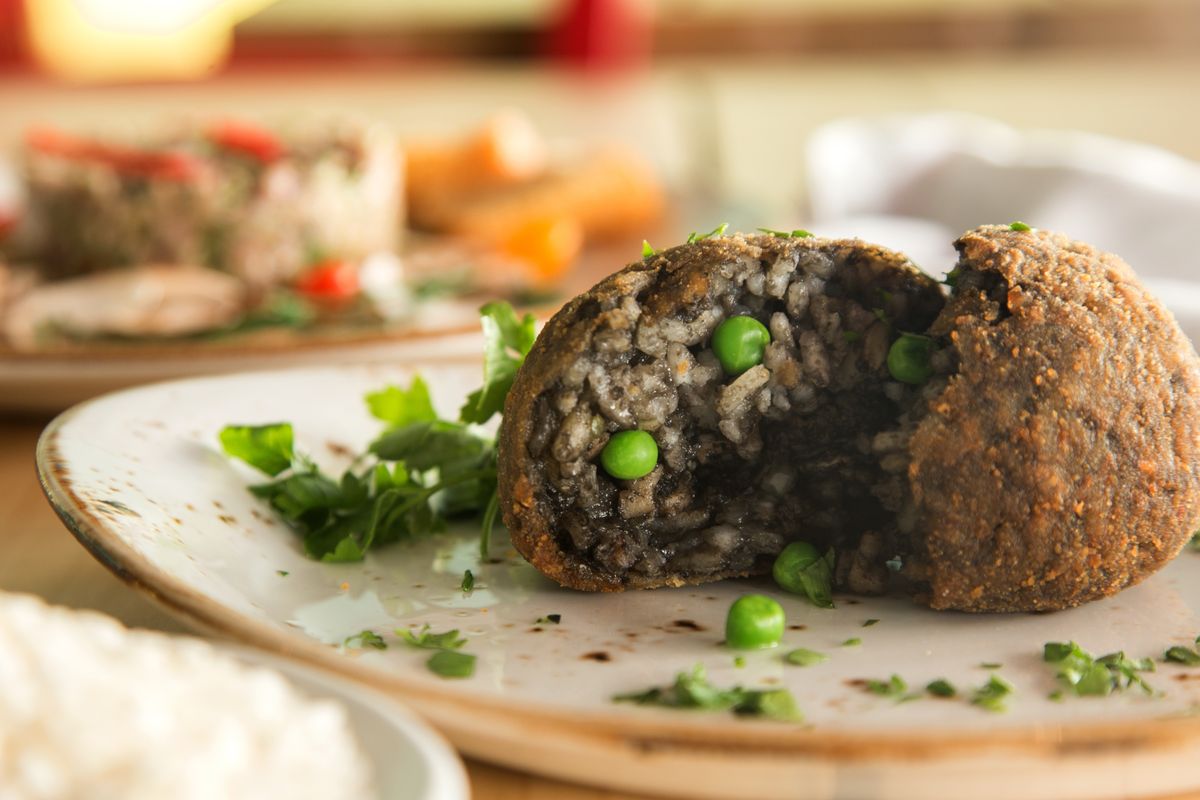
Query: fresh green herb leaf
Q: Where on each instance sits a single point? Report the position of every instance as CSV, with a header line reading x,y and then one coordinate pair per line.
x,y
803,657
717,231
283,573
800,569
870,622
647,250
941,688
1194,544
1086,676
366,638
451,664
799,233
852,642
893,687
990,665
1056,696
992,696
468,582
399,407
692,690
1019,226
549,619
1183,655
507,340
449,640
739,661
951,278
267,448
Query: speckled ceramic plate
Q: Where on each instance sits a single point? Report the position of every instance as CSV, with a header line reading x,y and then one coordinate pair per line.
x,y
408,759
138,479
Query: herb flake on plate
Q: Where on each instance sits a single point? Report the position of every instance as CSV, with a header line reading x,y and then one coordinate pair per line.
x,y
451,664
993,695
549,619
803,657
1084,675
468,582
941,688
365,638
447,640
694,691
1183,655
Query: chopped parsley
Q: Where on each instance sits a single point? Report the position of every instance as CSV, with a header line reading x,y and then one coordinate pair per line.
x,y
739,661
852,642
699,237
421,471
549,619
468,582
283,573
451,664
799,233
870,622
647,250
803,657
365,638
1082,674
992,695
941,688
1183,655
990,665
1194,544
894,686
693,690
449,640
1019,226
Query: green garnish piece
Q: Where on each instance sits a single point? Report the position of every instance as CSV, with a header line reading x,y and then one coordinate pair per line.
x,y
448,640
507,340
1057,696
267,448
468,582
717,231
1086,676
647,250
629,455
993,695
1195,542
754,622
739,661
893,687
990,665
1183,655
283,573
693,690
853,641
870,622
803,657
366,638
739,343
800,569
798,233
451,664
1019,226
549,619
909,358
951,278
399,407
420,472
941,688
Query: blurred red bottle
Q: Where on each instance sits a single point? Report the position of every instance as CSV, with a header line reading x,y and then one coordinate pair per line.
x,y
601,34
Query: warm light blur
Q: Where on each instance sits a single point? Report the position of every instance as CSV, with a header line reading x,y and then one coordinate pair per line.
x,y
113,40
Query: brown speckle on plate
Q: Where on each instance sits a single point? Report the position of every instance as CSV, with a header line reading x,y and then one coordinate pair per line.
x,y
597,655
687,625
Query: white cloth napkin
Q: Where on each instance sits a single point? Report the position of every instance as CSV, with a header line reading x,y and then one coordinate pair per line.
x,y
916,182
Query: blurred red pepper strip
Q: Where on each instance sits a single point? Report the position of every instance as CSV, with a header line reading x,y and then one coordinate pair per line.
x,y
332,280
163,165
247,139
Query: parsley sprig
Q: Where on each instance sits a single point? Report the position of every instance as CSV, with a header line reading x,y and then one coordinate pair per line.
x,y
421,471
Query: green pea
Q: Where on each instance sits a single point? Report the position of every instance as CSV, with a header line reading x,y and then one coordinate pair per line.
x,y
755,621
629,455
739,343
909,358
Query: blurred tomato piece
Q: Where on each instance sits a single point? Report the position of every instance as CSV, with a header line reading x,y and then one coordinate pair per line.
x,y
248,139
164,165
332,280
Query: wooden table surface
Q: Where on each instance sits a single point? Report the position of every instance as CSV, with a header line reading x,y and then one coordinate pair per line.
x,y
39,556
